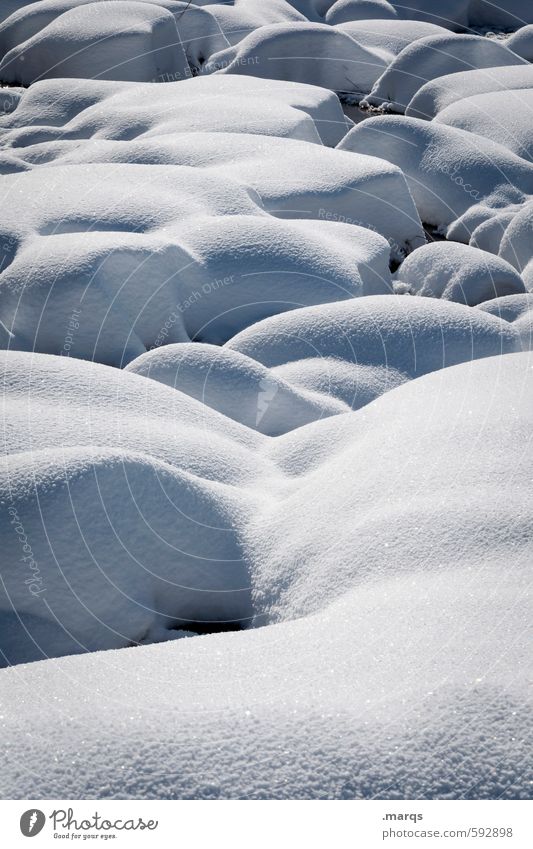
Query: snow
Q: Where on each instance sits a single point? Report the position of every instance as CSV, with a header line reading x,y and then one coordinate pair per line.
x,y
521,42
515,245
412,336
409,666
145,250
459,273
360,10
131,41
387,37
437,94
237,386
431,57
518,310
62,109
109,480
512,126
265,371
302,52
292,178
459,181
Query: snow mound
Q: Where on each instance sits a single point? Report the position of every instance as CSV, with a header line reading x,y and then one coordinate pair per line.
x,y
236,386
59,109
130,257
412,336
518,310
412,508
387,37
435,56
507,14
122,40
198,31
458,180
10,7
512,127
411,559
303,52
132,519
453,16
459,273
342,11
437,94
239,19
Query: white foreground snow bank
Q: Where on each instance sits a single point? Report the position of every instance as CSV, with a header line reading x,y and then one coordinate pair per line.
x,y
410,679
133,522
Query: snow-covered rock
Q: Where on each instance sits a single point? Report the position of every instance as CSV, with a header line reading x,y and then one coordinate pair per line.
x,y
303,52
452,14
85,108
387,37
131,41
238,19
517,309
107,479
237,386
412,336
294,179
503,116
516,245
435,56
437,94
341,11
198,31
459,273
521,42
458,180
412,670
158,253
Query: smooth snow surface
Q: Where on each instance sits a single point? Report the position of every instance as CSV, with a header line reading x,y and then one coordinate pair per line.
x,y
267,367
435,56
459,273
